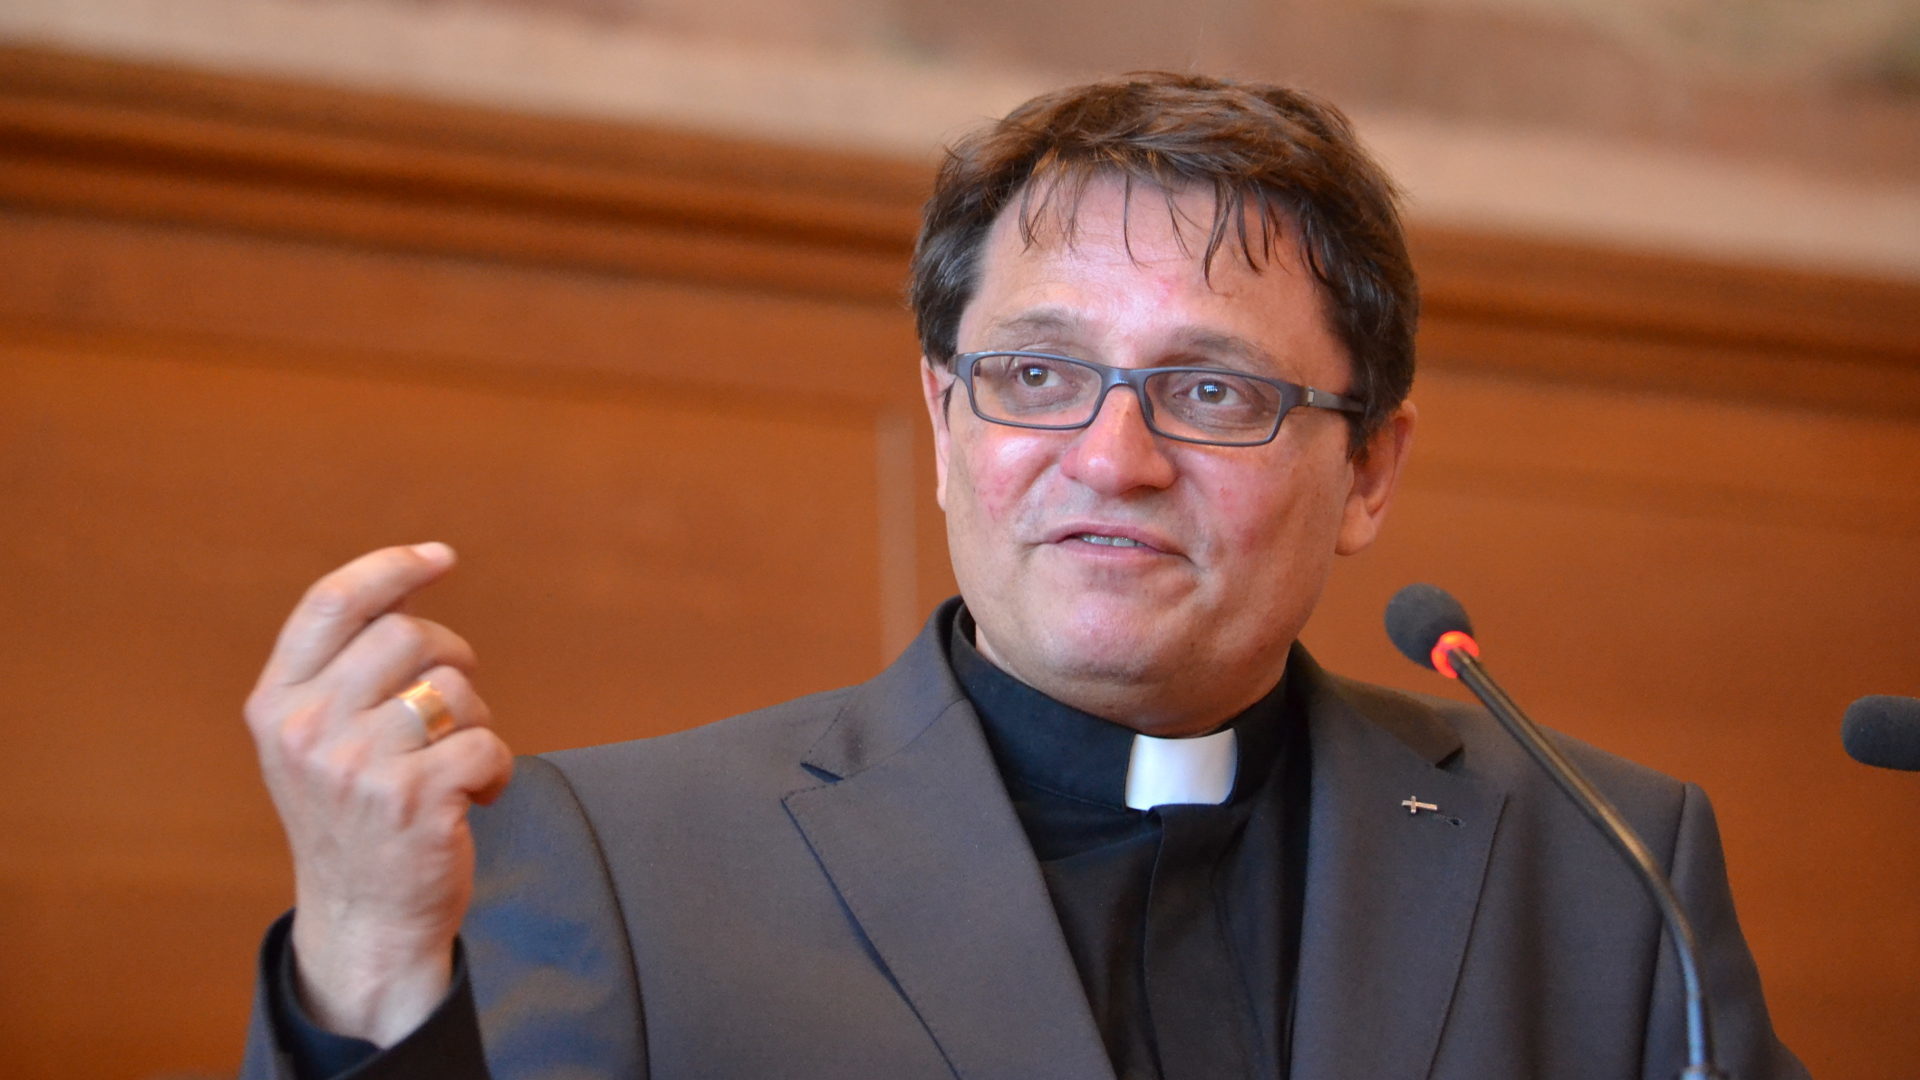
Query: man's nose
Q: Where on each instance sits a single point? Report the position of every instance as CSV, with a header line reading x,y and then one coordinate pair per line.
x,y
1117,452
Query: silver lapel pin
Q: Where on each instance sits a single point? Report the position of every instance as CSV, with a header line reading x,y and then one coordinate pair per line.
x,y
1414,805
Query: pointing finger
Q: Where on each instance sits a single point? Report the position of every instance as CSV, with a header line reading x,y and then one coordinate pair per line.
x,y
335,609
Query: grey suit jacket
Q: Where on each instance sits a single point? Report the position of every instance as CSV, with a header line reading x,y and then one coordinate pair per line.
x,y
838,887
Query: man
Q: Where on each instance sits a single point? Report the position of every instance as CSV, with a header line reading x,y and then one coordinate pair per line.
x,y
1105,817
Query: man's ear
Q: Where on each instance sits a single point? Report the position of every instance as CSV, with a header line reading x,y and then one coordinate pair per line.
x,y
1375,475
936,385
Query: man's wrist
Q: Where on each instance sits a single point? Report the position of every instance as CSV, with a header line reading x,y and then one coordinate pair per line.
x,y
373,991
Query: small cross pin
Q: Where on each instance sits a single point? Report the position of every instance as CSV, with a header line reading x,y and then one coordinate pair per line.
x,y
1414,805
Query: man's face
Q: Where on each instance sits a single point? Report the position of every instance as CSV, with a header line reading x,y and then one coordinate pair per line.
x,y
1178,633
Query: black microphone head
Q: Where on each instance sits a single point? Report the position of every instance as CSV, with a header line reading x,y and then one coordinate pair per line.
x,y
1883,730
1417,616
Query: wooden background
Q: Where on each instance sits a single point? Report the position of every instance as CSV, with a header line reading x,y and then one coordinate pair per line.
x,y
659,390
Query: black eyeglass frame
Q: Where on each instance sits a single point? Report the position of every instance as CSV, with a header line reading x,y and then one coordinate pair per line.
x,y
1292,395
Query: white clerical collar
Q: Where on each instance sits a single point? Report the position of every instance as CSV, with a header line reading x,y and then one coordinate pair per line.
x,y
1197,770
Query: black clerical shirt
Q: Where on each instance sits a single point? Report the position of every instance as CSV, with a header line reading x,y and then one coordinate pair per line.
x,y
1183,920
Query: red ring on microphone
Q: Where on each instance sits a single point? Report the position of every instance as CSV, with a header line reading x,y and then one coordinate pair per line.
x,y
1442,649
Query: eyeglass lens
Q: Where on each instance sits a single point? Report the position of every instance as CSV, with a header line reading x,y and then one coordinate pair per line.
x,y
1056,392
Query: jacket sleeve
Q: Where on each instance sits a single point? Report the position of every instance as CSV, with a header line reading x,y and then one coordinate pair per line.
x,y
281,1045
549,988
1744,1043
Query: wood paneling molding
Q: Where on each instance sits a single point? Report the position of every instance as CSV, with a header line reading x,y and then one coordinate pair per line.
x,y
1532,281
111,138
153,143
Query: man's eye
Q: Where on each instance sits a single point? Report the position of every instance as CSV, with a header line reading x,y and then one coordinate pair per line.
x,y
1033,375
1214,392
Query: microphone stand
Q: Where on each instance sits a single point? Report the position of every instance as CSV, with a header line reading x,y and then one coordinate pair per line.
x,y
1604,816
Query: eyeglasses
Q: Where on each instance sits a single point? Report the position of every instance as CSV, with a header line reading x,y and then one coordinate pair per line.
x,y
1189,404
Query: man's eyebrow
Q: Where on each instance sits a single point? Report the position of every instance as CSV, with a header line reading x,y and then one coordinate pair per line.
x,y
1216,347
1039,321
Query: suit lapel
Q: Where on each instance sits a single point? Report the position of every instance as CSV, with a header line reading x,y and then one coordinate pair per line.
x,y
1390,894
915,830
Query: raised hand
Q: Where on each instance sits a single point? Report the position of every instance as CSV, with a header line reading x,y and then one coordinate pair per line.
x,y
374,790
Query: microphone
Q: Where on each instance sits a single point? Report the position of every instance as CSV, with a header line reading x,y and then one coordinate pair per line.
x,y
1883,730
1431,628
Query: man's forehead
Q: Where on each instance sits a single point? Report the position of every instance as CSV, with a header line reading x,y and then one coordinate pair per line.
x,y
1066,324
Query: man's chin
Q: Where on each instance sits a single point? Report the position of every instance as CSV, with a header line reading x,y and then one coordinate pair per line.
x,y
1082,635
1126,655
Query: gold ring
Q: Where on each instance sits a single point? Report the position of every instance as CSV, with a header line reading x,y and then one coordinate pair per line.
x,y
428,707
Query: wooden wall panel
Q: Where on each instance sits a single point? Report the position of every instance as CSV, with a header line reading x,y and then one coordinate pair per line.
x,y
658,389
126,965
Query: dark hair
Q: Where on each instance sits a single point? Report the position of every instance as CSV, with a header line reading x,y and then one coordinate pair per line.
x,y
1291,156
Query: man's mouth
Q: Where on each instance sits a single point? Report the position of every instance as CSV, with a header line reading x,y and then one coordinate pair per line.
x,y
1117,536
1108,541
